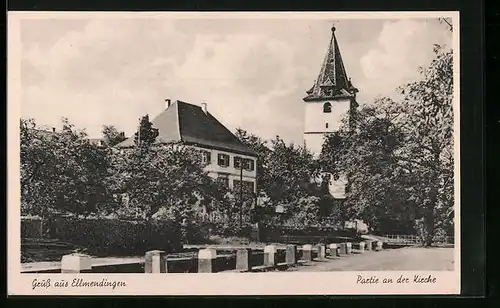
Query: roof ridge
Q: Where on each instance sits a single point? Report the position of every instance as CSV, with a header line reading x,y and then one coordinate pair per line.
x,y
177,119
194,126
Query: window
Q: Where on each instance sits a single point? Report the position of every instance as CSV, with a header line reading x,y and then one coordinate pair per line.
x,y
326,125
223,160
237,162
327,107
249,165
206,157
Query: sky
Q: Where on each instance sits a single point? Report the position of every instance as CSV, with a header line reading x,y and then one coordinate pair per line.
x,y
252,73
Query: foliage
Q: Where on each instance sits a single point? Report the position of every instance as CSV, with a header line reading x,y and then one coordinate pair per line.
x,y
447,21
168,177
259,146
305,212
287,175
290,169
111,136
146,134
62,171
398,155
118,237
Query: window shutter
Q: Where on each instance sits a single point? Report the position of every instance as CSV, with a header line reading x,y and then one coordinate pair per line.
x,y
207,157
223,160
251,164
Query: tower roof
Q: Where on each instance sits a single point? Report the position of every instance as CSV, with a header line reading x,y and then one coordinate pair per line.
x,y
332,80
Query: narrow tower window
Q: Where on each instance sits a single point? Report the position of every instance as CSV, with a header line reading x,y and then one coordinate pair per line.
x,y
327,107
326,125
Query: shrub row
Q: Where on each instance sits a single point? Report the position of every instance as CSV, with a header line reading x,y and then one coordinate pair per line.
x,y
118,237
31,228
108,237
276,233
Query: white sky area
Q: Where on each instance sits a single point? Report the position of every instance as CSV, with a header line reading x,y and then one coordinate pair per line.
x,y
253,73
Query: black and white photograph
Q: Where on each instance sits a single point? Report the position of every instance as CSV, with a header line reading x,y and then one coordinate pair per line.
x,y
256,146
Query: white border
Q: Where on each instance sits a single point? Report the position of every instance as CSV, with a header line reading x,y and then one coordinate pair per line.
x,y
287,283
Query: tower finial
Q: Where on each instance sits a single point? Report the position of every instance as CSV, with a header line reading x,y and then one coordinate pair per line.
x,y
333,26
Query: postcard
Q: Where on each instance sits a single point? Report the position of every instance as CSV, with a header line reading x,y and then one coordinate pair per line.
x,y
233,153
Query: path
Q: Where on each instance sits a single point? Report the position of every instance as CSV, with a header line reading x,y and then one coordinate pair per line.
x,y
409,258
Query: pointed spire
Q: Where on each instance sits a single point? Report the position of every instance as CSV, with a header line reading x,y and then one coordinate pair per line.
x,y
332,79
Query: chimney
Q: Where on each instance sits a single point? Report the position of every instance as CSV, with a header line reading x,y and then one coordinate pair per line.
x,y
53,129
204,107
168,101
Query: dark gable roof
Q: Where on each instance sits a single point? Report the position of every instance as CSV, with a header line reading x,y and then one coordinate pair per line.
x,y
196,127
189,124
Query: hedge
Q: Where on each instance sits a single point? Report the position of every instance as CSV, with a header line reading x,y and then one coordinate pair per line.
x,y
31,227
113,237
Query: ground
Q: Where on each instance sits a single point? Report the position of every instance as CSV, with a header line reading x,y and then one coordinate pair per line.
x,y
402,259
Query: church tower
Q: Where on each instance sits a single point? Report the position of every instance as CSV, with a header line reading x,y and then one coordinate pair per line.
x,y
331,97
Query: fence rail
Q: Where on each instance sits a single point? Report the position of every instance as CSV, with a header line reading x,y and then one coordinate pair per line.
x,y
410,239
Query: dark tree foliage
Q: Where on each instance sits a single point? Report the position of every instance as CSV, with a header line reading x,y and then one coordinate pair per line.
x,y
398,154
146,133
111,136
62,172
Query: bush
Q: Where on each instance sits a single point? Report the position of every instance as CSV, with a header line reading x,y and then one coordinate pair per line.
x,y
232,227
108,237
195,233
440,236
31,227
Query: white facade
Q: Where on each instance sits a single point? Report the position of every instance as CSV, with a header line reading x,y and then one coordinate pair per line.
x,y
231,171
217,171
318,122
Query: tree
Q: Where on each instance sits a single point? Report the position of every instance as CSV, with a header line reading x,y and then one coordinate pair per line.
x,y
365,155
62,172
290,170
448,22
287,173
398,155
259,146
146,134
37,172
166,180
429,105
112,136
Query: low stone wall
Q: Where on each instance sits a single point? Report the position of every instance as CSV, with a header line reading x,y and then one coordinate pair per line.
x,y
208,259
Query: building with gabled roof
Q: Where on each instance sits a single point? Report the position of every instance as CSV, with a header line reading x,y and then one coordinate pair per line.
x,y
225,157
331,97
